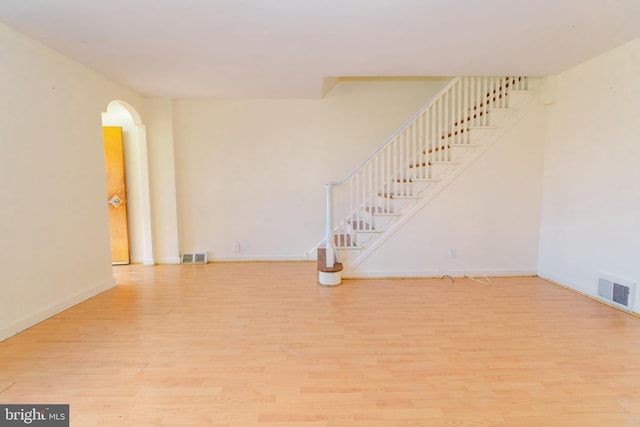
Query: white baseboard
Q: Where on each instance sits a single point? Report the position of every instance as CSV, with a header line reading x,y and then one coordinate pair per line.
x,y
581,289
144,260
53,309
498,272
567,283
170,260
389,274
249,258
437,273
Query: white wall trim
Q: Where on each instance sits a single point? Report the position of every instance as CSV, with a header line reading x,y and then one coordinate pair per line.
x,y
143,260
400,274
429,274
170,260
53,309
589,293
500,272
567,283
248,258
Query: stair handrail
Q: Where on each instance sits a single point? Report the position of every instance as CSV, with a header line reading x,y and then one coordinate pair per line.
x,y
331,252
398,131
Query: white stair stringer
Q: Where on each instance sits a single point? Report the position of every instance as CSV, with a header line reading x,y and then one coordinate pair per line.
x,y
384,225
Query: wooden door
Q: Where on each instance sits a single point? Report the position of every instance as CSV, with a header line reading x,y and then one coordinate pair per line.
x,y
116,194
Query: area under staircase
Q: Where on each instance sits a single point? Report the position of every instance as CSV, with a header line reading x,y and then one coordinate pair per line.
x,y
415,164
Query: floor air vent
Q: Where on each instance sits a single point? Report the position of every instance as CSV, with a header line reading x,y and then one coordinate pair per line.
x,y
194,258
618,292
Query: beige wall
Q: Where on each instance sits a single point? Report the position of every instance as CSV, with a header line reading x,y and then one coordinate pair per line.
x,y
252,171
53,223
162,180
591,204
489,215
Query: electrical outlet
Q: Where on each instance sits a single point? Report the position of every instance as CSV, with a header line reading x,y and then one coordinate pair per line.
x,y
236,246
452,253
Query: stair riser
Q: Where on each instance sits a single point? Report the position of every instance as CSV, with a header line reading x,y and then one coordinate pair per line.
x,y
381,222
481,135
460,152
403,188
347,255
363,238
400,205
420,186
519,97
441,156
412,189
432,171
453,153
438,170
499,116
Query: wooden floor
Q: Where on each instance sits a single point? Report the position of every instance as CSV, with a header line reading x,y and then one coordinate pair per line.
x,y
261,344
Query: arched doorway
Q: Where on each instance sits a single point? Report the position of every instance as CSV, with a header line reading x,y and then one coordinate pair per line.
x,y
134,137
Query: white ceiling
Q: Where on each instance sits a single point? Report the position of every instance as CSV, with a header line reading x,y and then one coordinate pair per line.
x,y
284,48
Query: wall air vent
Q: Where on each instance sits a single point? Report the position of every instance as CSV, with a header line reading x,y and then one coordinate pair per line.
x,y
194,258
618,292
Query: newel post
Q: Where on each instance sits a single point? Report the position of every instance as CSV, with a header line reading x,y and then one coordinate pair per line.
x,y
330,248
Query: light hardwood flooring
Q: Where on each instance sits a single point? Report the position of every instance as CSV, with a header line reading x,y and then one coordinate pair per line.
x,y
261,344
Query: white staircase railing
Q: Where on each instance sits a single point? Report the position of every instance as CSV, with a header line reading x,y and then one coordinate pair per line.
x,y
409,156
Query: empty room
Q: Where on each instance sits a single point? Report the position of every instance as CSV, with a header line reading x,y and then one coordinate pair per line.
x,y
237,213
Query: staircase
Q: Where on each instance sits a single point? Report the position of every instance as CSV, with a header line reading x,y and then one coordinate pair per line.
x,y
416,163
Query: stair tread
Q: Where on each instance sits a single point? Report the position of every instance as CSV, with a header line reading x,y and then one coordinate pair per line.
x,y
396,196
361,226
462,145
439,148
376,210
410,180
481,127
448,146
432,162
